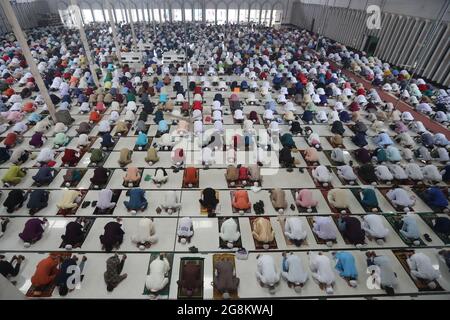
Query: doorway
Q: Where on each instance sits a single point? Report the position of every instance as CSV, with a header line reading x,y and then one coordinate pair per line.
x,y
371,45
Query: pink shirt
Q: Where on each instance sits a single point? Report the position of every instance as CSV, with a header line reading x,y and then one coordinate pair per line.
x,y
305,199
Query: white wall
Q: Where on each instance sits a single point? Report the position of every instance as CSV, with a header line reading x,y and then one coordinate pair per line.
x,y
405,26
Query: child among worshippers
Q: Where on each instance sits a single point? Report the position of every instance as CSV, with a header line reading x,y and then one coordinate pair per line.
x,y
112,275
185,230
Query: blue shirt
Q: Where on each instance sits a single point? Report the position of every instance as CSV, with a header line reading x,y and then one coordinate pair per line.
x,y
142,139
435,197
137,198
163,126
410,227
346,265
382,139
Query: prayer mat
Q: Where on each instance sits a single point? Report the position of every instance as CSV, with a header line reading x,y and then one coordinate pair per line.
x,y
316,237
286,239
223,244
135,183
103,186
367,209
401,255
333,144
198,293
164,291
258,244
346,240
147,127
223,257
67,212
238,122
249,210
124,134
74,183
384,192
204,211
343,181
144,148
115,198
88,223
36,185
395,222
301,209
428,217
404,182
45,291
420,193
333,209
195,185
317,183
101,163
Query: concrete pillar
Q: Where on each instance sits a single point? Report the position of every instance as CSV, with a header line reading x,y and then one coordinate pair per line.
x,y
12,19
113,29
133,34
83,37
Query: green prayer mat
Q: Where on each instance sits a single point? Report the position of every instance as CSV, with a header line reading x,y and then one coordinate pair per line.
x,y
165,290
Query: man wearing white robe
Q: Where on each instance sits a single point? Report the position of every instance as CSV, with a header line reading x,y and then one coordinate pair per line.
x,y
158,277
266,272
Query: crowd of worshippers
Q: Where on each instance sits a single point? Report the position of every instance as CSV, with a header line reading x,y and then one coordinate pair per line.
x,y
59,270
277,65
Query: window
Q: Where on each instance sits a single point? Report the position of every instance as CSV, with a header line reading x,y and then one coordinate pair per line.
x,y
87,15
232,15
177,15
133,15
265,17
243,15
188,14
254,15
156,15
98,15
276,18
221,16
211,15
198,15
146,17
119,16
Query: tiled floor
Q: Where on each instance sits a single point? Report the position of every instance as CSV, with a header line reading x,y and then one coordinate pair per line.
x,y
206,237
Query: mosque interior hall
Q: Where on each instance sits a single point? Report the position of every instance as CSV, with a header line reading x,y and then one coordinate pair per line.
x,y
224,149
